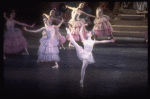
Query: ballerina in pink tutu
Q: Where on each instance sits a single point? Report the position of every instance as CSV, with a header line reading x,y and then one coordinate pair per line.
x,y
85,54
102,26
48,50
76,23
14,41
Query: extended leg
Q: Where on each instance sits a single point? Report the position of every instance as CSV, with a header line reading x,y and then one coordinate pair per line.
x,y
26,53
84,65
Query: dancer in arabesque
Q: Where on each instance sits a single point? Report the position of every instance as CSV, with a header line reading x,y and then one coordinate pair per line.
x,y
48,50
14,41
76,23
85,54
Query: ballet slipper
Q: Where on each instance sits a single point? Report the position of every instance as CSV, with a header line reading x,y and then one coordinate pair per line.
x,y
81,83
56,66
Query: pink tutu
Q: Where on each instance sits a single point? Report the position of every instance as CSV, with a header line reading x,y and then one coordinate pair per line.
x,y
75,30
102,26
14,41
62,40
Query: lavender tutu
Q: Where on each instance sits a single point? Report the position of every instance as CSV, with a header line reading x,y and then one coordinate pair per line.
x,y
48,50
102,26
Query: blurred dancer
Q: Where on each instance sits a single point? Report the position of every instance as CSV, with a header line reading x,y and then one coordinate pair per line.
x,y
102,26
85,54
76,23
14,41
48,50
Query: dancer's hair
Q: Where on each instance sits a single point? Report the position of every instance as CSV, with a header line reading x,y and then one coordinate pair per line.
x,y
98,10
80,5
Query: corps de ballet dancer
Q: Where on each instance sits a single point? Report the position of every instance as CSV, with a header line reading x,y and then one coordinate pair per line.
x,y
14,41
52,18
48,50
76,23
85,54
102,26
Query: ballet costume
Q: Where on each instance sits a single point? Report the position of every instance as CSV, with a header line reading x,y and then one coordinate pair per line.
x,y
76,23
102,26
60,38
48,50
14,41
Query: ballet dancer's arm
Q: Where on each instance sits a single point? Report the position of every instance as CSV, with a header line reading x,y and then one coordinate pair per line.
x,y
34,31
104,41
5,16
87,14
72,8
24,24
57,26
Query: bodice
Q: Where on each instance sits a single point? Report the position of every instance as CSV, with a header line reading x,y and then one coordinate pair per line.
x,y
75,15
10,25
50,32
88,45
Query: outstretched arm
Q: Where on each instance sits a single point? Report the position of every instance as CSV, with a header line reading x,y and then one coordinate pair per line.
x,y
24,24
87,14
34,31
72,8
57,26
5,16
104,41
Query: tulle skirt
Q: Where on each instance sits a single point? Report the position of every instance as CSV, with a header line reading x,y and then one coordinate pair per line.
x,y
14,41
84,55
102,26
48,50
75,30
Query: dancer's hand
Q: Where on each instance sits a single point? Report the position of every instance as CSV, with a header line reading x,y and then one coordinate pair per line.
x,y
25,28
33,25
85,25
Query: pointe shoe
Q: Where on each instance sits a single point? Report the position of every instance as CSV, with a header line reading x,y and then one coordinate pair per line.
x,y
56,66
81,83
25,53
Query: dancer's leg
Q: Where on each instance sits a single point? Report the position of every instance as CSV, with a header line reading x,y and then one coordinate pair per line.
x,y
84,65
26,53
4,56
70,44
56,65
63,46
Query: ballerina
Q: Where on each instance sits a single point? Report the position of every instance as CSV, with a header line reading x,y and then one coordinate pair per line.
x,y
14,41
52,19
85,54
76,23
48,50
102,26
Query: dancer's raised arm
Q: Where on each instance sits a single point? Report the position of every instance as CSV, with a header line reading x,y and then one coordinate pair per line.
x,y
72,8
34,31
24,24
104,41
88,14
5,16
57,26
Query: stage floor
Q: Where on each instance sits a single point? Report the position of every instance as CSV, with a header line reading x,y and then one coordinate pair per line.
x,y
120,71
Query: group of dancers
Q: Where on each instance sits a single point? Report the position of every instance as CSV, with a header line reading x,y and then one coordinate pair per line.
x,y
52,38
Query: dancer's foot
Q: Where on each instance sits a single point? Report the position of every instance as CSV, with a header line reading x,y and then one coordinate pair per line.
x,y
4,57
56,66
70,45
81,83
60,48
26,53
